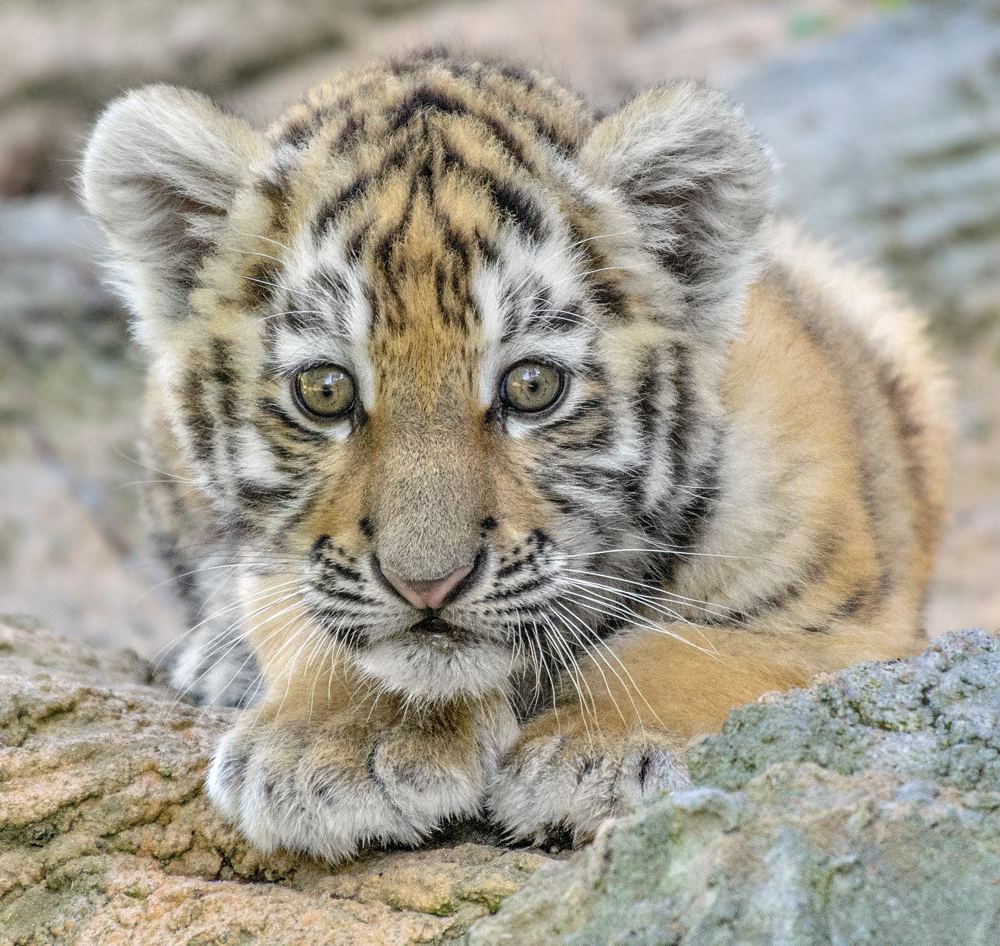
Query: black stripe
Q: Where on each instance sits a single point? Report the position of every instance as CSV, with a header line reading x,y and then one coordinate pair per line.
x,y
276,189
224,375
565,319
503,593
647,399
421,101
511,144
271,408
297,133
330,211
260,283
348,134
814,573
599,276
685,530
258,497
516,206
683,420
908,429
199,421
341,571
297,321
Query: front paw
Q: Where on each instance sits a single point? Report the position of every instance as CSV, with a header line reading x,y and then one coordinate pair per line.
x,y
556,783
330,790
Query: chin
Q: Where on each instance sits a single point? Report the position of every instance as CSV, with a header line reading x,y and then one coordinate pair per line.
x,y
436,667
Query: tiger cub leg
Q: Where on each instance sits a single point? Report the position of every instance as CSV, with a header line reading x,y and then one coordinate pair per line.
x,y
328,773
618,731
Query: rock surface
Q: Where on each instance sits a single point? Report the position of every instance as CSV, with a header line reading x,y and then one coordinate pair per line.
x,y
106,837
865,810
889,140
61,61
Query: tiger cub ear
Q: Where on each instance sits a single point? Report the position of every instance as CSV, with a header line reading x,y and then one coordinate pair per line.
x,y
696,181
160,173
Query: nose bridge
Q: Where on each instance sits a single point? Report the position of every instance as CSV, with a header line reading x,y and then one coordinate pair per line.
x,y
430,495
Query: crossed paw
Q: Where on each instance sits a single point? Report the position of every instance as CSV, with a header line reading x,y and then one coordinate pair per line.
x,y
333,788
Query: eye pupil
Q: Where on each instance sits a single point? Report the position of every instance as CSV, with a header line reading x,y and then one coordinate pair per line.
x,y
325,391
532,386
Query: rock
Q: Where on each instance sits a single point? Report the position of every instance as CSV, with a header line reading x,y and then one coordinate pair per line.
x,y
935,718
865,810
60,61
106,837
888,138
71,543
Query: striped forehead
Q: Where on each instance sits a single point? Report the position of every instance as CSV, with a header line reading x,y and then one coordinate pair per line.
x,y
323,312
439,231
526,299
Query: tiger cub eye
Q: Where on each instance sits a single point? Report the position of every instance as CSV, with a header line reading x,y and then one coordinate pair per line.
x,y
532,386
325,391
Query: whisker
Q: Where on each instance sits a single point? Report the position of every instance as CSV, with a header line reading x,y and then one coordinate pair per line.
x,y
602,606
565,620
656,596
572,667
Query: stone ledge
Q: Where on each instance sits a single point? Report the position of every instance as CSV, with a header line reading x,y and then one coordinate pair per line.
x,y
864,810
106,837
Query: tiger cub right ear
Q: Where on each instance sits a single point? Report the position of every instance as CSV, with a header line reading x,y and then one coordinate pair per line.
x,y
697,182
160,173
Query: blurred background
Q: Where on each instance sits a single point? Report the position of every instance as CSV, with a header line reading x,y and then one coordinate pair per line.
x,y
884,116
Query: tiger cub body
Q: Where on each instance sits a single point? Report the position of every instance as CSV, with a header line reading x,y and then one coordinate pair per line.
x,y
504,448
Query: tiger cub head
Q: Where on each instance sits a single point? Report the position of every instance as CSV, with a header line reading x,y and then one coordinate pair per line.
x,y
441,349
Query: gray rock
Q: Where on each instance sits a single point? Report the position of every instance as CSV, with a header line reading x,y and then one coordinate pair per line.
x,y
865,810
933,718
51,256
889,140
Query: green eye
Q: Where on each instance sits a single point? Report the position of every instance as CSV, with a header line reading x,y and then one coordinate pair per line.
x,y
325,391
532,386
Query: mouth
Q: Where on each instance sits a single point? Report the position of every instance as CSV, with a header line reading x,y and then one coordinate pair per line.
x,y
436,659
438,634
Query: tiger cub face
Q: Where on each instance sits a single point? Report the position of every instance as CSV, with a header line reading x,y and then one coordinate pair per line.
x,y
440,351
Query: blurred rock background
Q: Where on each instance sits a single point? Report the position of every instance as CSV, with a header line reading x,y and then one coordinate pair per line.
x,y
885,117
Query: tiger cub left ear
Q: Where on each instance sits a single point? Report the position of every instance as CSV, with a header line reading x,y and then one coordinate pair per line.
x,y
696,180
161,172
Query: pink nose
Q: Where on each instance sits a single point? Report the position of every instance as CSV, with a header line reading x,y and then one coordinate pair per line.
x,y
426,594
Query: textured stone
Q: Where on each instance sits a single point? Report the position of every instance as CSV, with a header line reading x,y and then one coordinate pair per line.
x,y
61,60
889,141
935,717
865,810
106,837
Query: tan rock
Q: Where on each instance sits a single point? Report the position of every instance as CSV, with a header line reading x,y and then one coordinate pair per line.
x,y
106,837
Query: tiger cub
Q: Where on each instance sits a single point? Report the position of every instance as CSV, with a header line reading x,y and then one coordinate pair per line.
x,y
504,448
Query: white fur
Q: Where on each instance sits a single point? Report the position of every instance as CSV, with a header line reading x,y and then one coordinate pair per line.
x,y
275,801
161,171
692,175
